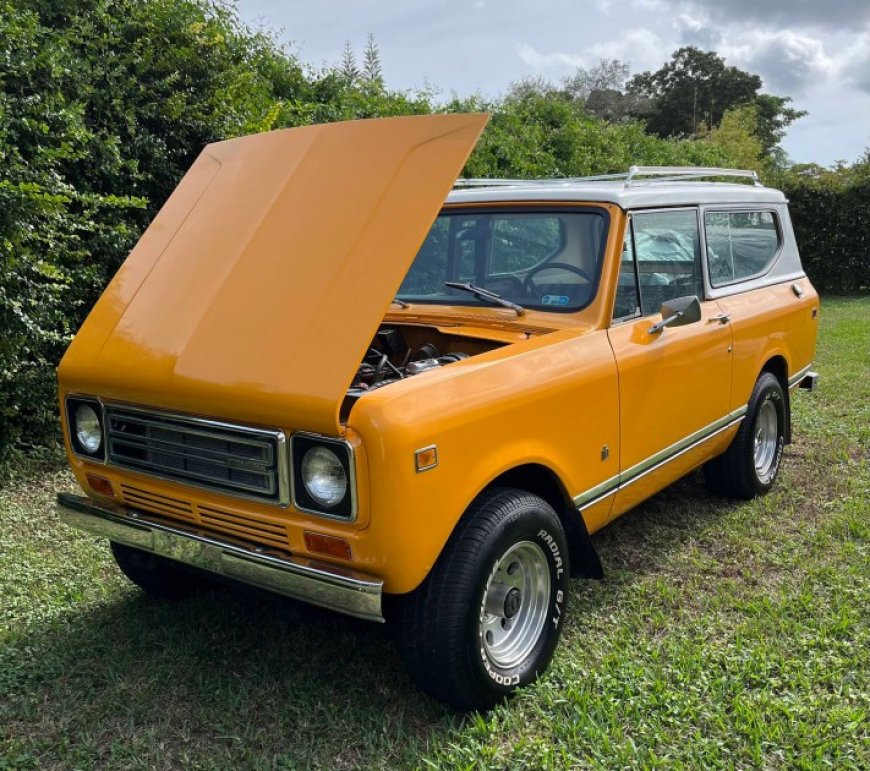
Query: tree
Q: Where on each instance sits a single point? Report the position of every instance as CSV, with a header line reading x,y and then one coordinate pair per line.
x,y
607,75
737,135
347,66
697,87
104,104
372,72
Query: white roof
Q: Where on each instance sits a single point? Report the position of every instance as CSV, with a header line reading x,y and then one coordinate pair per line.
x,y
636,195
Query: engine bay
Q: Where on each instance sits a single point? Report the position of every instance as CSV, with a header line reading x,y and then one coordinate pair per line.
x,y
398,352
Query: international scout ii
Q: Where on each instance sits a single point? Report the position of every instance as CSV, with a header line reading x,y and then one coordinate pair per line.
x,y
323,372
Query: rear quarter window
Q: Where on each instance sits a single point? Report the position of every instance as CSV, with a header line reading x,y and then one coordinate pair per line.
x,y
740,244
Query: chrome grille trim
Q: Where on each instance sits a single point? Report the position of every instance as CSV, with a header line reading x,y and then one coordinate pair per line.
x,y
240,461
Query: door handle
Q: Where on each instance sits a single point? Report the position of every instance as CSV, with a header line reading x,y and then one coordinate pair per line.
x,y
722,318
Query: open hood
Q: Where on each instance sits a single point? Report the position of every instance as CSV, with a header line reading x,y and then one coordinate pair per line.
x,y
256,291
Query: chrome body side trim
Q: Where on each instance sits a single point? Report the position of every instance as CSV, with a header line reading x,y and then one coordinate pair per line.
x,y
597,493
654,462
795,379
336,588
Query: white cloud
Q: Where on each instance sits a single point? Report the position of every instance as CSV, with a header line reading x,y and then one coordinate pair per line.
x,y
855,63
787,61
553,60
639,47
698,32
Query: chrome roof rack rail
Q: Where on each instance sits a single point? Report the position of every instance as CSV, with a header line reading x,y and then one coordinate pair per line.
x,y
650,175
681,173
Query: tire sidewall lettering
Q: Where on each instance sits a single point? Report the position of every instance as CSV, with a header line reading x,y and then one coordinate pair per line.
x,y
509,679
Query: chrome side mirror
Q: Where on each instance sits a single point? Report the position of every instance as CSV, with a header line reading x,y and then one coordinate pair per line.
x,y
677,313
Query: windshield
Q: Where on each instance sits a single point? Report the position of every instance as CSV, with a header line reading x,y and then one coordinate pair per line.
x,y
547,260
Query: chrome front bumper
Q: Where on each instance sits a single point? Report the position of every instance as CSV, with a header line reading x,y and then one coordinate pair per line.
x,y
328,586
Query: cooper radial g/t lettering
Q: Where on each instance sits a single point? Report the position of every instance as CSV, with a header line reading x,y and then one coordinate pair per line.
x,y
330,370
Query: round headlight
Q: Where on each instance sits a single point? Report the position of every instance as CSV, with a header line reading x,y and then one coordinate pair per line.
x,y
88,430
323,476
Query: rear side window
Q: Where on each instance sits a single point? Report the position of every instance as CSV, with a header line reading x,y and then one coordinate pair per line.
x,y
740,244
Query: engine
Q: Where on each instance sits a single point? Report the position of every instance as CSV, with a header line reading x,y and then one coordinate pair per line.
x,y
390,359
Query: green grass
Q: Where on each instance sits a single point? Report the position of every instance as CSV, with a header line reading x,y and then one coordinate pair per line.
x,y
725,635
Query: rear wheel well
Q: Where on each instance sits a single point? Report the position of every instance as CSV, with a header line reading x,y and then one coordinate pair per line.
x,y
778,367
543,482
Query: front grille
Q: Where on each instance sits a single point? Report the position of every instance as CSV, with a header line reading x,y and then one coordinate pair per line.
x,y
232,459
234,523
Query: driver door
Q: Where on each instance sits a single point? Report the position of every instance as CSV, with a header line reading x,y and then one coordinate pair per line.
x,y
674,384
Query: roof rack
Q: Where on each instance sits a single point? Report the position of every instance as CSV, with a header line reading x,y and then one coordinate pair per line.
x,y
631,177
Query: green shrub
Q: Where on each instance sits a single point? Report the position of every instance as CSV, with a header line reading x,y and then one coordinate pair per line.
x,y
831,215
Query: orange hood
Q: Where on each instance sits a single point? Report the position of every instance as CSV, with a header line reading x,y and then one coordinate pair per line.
x,y
256,290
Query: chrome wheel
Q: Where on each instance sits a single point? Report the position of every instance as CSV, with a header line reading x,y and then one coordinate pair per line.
x,y
515,604
766,440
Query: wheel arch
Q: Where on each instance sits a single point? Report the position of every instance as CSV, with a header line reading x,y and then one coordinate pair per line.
x,y
540,480
777,365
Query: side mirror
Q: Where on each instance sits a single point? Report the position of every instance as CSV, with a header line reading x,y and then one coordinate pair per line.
x,y
677,313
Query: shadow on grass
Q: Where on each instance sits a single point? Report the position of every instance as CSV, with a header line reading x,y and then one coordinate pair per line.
x,y
233,678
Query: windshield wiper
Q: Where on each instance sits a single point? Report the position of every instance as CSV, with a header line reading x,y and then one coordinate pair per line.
x,y
401,303
485,294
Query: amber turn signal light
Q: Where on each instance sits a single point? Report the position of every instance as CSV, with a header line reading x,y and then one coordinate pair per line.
x,y
426,458
331,545
100,485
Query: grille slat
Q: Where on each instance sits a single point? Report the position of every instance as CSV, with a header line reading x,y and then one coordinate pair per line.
x,y
160,504
250,529
232,459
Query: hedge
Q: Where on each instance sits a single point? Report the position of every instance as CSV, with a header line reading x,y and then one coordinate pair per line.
x,y
832,225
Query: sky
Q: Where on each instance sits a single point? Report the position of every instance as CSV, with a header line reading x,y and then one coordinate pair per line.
x,y
816,51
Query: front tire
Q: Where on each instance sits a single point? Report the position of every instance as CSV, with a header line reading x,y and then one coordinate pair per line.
x,y
750,465
487,618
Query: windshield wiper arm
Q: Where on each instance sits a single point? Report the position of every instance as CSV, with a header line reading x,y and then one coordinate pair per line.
x,y
485,294
401,303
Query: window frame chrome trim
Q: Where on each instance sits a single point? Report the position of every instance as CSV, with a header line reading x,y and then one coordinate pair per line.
x,y
351,482
280,437
656,461
700,263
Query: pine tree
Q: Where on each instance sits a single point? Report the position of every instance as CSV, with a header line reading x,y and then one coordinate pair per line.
x,y
347,68
372,72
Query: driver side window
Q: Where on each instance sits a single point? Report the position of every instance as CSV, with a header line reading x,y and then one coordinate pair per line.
x,y
667,255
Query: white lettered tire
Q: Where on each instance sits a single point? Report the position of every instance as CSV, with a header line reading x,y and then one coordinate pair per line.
x,y
487,619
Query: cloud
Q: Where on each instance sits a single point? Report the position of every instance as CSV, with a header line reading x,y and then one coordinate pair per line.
x,y
833,14
553,60
641,48
787,61
855,63
697,32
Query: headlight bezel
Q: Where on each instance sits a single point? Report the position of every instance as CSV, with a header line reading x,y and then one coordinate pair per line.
x,y
300,443
72,404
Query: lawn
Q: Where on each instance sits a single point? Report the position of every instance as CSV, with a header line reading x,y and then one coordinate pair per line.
x,y
724,635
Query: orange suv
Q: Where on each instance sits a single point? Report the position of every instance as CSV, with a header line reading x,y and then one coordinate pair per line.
x,y
329,370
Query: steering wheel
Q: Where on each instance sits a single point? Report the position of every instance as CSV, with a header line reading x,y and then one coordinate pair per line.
x,y
528,283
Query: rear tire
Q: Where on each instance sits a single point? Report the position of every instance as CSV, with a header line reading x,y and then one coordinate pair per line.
x,y
158,576
750,465
487,618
